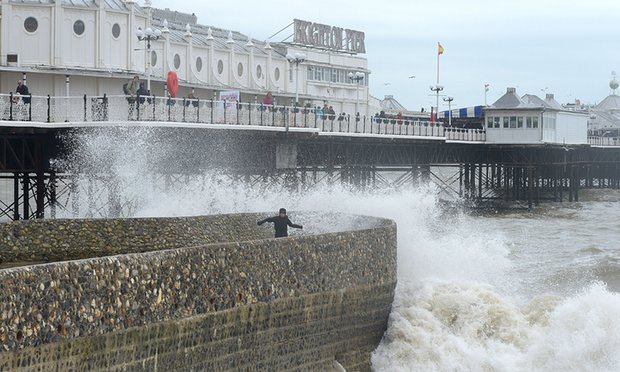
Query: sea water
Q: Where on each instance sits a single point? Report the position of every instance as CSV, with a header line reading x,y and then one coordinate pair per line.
x,y
495,291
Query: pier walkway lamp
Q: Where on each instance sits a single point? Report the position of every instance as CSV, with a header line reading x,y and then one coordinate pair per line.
x,y
148,35
296,59
437,88
357,77
449,100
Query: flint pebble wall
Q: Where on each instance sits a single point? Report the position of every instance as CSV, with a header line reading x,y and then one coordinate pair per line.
x,y
203,293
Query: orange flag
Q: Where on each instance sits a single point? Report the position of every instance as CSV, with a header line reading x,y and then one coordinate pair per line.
x,y
439,49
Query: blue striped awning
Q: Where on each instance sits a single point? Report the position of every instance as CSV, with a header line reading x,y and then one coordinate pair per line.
x,y
461,113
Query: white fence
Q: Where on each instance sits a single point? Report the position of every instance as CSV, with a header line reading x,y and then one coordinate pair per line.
x,y
604,141
151,108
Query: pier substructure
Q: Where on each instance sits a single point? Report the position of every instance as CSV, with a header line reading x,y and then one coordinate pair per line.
x,y
202,160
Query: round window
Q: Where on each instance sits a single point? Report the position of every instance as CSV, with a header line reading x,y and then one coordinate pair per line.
x,y
276,74
198,64
153,58
31,24
220,67
78,27
177,61
259,71
116,30
240,69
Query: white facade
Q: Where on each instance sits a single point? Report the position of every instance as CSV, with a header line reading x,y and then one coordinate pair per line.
x,y
94,42
531,120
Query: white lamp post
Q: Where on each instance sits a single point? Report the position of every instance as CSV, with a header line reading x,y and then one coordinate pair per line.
x,y
296,59
437,88
357,77
149,35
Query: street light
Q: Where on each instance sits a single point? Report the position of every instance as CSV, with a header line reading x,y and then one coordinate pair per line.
x,y
437,88
296,58
149,35
357,77
449,100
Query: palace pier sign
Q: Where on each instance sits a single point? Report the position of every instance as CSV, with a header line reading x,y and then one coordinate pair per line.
x,y
329,37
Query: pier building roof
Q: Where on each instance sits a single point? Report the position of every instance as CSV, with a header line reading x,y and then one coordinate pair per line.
x,y
610,103
390,103
108,4
202,35
510,100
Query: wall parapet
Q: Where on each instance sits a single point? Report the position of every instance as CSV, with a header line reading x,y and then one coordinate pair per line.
x,y
100,298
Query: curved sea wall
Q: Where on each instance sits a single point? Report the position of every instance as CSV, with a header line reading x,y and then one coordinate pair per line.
x,y
203,293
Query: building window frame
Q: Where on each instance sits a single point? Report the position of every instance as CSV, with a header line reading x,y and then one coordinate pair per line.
x,y
116,26
79,28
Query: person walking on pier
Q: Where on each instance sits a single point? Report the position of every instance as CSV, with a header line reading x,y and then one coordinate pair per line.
x,y
21,92
280,224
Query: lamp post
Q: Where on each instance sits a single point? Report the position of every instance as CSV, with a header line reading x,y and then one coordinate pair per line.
x,y
149,35
437,88
449,100
357,77
296,59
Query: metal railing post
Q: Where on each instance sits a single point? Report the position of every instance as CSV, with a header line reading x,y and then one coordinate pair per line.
x,y
238,106
249,113
197,110
138,107
11,106
153,102
184,106
285,116
212,104
169,103
105,107
85,107
30,107
224,111
49,109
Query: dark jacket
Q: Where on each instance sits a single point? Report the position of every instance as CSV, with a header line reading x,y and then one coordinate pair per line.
x,y
280,224
23,91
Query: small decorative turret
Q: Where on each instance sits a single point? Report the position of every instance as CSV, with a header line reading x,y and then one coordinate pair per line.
x,y
165,28
267,45
188,30
249,44
613,84
230,38
209,34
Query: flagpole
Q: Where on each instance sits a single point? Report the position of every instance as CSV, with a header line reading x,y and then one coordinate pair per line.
x,y
437,91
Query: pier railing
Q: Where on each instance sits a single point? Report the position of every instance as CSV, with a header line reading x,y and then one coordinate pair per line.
x,y
121,108
603,141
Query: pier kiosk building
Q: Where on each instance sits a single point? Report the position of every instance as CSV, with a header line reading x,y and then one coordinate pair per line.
x,y
532,120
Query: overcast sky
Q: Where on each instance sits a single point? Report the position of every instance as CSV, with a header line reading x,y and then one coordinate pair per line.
x,y
564,47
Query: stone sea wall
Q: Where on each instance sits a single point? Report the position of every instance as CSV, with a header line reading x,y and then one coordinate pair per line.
x,y
204,301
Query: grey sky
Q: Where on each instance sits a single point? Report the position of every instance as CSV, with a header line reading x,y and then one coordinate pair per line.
x,y
568,47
